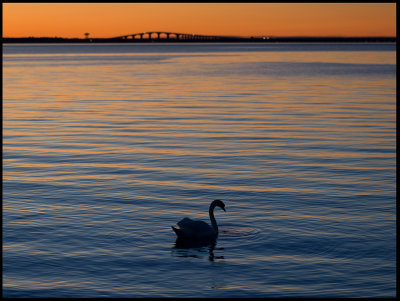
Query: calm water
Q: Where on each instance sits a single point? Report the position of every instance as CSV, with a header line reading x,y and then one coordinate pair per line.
x,y
107,146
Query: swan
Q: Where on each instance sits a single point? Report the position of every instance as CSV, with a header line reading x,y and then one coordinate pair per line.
x,y
194,229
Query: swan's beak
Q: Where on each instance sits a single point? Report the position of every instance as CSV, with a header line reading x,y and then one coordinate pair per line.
x,y
223,208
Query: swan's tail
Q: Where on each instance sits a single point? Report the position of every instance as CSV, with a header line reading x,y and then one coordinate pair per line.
x,y
177,231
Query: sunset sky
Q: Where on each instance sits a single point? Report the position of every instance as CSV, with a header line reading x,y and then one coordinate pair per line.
x,y
104,20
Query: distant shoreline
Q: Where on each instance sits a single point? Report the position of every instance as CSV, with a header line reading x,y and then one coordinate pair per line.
x,y
222,40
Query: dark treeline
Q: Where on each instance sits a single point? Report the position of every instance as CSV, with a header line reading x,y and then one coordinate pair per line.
x,y
219,40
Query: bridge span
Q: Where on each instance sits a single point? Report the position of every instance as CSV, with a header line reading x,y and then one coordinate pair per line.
x,y
172,36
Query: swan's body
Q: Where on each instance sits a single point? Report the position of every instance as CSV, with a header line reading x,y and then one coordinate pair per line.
x,y
194,229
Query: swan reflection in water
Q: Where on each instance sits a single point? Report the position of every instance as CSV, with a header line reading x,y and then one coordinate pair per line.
x,y
198,234
190,248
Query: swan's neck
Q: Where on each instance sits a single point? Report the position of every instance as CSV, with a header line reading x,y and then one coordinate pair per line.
x,y
212,218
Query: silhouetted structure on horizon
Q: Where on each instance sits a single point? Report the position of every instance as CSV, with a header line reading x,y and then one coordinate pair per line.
x,y
175,37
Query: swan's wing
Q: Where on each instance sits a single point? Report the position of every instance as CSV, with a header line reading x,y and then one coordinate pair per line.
x,y
193,225
186,222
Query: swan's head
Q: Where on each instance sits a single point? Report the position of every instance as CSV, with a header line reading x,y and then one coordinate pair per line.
x,y
220,204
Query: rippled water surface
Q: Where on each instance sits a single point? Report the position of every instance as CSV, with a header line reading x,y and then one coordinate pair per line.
x,y
107,146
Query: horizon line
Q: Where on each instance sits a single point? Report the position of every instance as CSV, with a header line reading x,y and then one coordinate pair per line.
x,y
222,36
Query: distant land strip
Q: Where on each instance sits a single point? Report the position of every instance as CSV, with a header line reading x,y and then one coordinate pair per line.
x,y
215,40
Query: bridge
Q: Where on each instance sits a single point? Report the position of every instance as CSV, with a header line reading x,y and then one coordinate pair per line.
x,y
173,36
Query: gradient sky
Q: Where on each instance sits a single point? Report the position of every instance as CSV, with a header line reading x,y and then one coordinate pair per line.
x,y
244,19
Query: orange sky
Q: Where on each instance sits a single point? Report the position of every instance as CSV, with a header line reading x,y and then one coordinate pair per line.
x,y
244,19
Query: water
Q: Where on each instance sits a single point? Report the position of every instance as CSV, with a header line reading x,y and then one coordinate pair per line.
x,y
107,146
